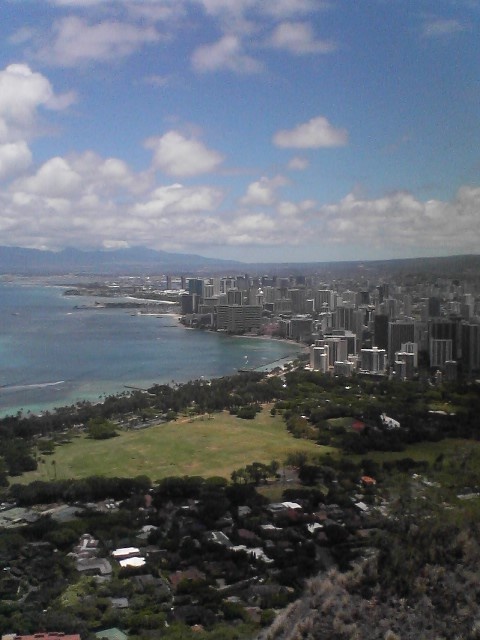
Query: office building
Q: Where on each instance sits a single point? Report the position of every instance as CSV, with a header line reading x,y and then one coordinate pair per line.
x,y
323,300
195,286
411,347
373,360
399,332
380,331
300,328
298,298
440,351
404,362
470,347
319,358
447,329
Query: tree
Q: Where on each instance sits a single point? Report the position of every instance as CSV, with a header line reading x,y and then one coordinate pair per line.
x,y
100,429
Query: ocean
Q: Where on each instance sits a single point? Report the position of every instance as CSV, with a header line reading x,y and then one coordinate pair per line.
x,y
53,355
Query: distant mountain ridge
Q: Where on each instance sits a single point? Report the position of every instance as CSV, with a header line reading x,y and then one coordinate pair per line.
x,y
17,260
140,260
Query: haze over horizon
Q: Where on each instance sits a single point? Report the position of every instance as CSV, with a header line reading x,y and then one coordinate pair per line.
x,y
252,130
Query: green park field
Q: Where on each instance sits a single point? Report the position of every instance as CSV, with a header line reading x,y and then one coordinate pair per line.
x,y
212,445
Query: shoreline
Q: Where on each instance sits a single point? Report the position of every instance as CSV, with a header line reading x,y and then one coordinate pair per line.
x,y
30,386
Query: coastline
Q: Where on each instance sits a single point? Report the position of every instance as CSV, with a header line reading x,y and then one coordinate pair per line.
x,y
55,358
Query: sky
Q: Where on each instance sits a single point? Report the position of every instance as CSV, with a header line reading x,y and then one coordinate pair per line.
x,y
256,130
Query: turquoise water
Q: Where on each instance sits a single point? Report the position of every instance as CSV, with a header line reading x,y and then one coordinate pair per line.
x,y
53,355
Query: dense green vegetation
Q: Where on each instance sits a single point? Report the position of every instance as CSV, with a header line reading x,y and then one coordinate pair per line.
x,y
396,510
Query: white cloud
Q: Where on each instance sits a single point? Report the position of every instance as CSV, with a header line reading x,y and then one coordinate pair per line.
x,y
298,38
262,193
176,155
157,81
298,164
226,54
314,134
108,176
286,8
22,35
176,199
54,179
442,27
15,157
288,209
276,9
75,42
400,220
227,7
22,92
90,201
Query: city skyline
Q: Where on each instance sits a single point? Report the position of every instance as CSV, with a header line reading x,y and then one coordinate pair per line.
x,y
290,130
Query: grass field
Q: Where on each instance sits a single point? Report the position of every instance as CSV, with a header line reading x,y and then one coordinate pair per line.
x,y
205,446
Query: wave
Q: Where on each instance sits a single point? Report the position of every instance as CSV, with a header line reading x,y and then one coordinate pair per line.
x,y
23,387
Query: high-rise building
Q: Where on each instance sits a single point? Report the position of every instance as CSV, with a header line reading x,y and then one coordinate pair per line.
x,y
470,347
433,307
349,336
404,362
234,296
186,303
319,358
208,291
283,305
447,329
411,347
195,285
399,332
346,318
343,369
323,300
300,328
380,331
239,318
373,360
337,349
298,298
440,351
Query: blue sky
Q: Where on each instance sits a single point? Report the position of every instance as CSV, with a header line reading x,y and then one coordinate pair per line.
x,y
259,130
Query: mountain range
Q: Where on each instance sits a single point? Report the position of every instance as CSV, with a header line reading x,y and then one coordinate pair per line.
x,y
143,261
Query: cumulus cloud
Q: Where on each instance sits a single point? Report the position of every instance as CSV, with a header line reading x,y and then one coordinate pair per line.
x,y
263,192
106,30
314,134
178,156
178,199
22,93
92,201
298,38
288,209
88,201
76,42
15,157
401,220
54,179
225,54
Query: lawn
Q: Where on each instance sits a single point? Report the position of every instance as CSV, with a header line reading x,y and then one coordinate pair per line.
x,y
205,446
